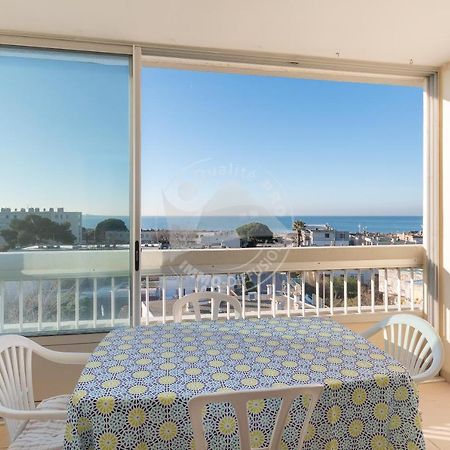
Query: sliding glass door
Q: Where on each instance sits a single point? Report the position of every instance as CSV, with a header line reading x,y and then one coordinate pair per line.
x,y
65,203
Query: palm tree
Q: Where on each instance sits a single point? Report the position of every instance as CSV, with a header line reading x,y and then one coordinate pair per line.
x,y
298,226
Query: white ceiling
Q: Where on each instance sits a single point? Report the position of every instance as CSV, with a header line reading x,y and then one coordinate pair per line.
x,y
371,30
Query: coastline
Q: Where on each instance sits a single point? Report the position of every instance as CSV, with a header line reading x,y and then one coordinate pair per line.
x,y
278,224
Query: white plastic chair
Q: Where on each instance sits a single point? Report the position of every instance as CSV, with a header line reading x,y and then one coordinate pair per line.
x,y
413,342
30,426
216,299
239,399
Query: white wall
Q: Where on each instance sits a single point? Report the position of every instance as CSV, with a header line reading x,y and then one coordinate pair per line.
x,y
444,284
382,30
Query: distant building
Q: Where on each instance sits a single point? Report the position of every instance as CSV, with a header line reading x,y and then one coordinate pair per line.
x,y
224,239
368,239
411,237
324,236
123,237
58,215
149,236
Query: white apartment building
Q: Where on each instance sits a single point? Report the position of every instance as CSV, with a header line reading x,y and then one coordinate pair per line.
x,y
58,215
123,237
324,236
226,239
411,237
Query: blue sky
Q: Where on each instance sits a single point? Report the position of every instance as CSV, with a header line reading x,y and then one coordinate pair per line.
x,y
64,132
313,147
213,144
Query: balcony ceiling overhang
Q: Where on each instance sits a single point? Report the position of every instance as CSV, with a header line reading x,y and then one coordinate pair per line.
x,y
365,30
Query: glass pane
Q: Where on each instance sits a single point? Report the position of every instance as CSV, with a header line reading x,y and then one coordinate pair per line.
x,y
232,161
64,218
220,151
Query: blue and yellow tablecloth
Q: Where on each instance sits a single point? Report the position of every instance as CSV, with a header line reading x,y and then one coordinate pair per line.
x,y
133,392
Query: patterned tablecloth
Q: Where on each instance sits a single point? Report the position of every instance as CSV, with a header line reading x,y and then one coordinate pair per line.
x,y
133,393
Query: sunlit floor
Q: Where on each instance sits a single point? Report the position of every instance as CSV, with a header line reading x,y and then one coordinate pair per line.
x,y
435,407
434,404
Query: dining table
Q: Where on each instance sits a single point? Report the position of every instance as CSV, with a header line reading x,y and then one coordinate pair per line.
x,y
134,391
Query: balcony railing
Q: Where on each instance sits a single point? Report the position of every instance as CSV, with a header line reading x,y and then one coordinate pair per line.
x,y
84,290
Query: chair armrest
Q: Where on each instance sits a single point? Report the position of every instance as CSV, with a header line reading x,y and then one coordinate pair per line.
x,y
14,340
34,414
371,331
63,357
368,333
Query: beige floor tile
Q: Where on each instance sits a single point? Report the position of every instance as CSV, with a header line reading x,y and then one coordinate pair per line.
x,y
430,446
4,439
435,408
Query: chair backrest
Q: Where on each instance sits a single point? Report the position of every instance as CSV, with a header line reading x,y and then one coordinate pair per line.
x,y
216,299
413,342
16,383
239,400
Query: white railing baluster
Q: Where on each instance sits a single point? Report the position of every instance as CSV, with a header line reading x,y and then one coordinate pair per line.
x,y
411,288
164,300
21,305
303,293
180,286
345,292
219,289
147,300
331,292
243,278
94,302
211,287
399,290
317,277
274,298
258,294
288,293
113,301
324,286
40,307
228,293
372,290
2,305
359,290
129,304
77,303
196,283
385,297
385,291
58,303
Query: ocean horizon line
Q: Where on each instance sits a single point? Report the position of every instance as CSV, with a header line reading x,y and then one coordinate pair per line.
x,y
258,215
278,224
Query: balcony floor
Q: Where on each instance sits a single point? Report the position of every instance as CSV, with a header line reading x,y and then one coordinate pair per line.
x,y
434,398
434,401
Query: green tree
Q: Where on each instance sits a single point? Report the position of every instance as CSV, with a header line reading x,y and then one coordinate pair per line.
x,y
338,287
298,226
254,233
108,225
88,235
249,285
37,230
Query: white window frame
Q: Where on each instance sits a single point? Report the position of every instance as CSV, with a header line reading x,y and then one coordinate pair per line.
x,y
260,63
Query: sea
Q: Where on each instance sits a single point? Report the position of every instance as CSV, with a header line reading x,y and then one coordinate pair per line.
x,y
278,224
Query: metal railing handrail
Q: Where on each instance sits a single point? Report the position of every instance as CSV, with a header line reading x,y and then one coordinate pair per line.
x,y
93,263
